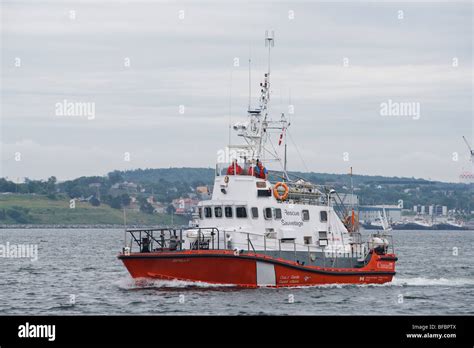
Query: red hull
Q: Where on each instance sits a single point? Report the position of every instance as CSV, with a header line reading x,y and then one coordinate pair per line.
x,y
223,267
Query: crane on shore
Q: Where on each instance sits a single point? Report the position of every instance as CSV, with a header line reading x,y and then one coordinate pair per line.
x,y
469,147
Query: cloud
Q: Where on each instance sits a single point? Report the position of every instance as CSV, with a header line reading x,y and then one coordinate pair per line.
x,y
189,62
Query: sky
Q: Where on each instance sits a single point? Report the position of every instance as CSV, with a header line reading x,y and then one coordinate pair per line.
x,y
162,81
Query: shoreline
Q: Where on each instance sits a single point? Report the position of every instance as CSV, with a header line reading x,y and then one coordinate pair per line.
x,y
117,226
78,226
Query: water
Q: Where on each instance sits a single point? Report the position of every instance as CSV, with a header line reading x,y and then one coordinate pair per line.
x,y
431,280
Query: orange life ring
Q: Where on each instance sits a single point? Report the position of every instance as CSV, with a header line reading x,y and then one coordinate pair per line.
x,y
277,194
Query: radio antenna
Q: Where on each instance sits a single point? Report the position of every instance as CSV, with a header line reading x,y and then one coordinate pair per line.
x,y
250,80
269,42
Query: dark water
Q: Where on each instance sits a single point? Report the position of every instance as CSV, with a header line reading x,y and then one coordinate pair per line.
x,y
431,279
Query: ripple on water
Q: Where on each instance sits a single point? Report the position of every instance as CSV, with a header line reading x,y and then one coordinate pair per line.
x,y
431,280
421,281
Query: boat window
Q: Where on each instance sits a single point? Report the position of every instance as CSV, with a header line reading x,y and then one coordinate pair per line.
x,y
323,215
277,213
267,213
218,212
264,193
228,212
208,212
308,240
241,212
255,212
200,212
305,214
323,239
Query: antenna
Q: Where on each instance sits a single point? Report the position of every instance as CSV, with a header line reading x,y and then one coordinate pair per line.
x,y
230,105
250,82
269,38
265,94
269,42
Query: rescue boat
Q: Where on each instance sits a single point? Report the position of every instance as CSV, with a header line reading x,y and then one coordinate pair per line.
x,y
274,230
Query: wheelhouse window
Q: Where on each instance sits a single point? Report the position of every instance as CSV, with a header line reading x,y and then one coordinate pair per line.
x,y
267,213
255,212
323,215
308,240
277,213
200,213
207,212
305,214
241,212
218,212
228,212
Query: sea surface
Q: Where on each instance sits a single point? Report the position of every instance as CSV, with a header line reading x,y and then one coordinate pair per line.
x,y
77,273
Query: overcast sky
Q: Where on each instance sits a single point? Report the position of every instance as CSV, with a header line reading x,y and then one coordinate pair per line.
x,y
48,57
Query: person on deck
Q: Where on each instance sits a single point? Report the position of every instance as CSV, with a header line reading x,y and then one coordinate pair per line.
x,y
250,171
260,171
234,168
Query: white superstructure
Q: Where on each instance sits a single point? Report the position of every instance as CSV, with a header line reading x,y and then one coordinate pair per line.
x,y
237,209
245,206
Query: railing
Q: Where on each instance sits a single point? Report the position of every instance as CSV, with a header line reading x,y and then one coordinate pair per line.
x,y
211,238
146,239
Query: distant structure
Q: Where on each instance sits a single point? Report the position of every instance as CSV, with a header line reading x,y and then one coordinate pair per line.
x,y
184,206
372,212
467,176
432,210
128,187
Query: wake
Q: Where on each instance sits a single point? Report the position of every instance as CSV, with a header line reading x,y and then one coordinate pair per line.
x,y
128,283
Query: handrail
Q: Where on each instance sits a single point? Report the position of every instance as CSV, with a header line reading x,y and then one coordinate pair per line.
x,y
172,239
249,243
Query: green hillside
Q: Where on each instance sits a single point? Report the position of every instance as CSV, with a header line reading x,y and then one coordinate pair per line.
x,y
196,176
39,209
150,190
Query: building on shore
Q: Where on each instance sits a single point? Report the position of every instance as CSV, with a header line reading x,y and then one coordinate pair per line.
x,y
184,205
432,210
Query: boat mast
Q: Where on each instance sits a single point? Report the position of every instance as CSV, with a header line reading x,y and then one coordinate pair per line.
x,y
250,78
269,42
250,84
285,158
256,131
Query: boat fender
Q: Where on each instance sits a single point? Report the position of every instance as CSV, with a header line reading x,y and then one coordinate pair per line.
x,y
236,252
